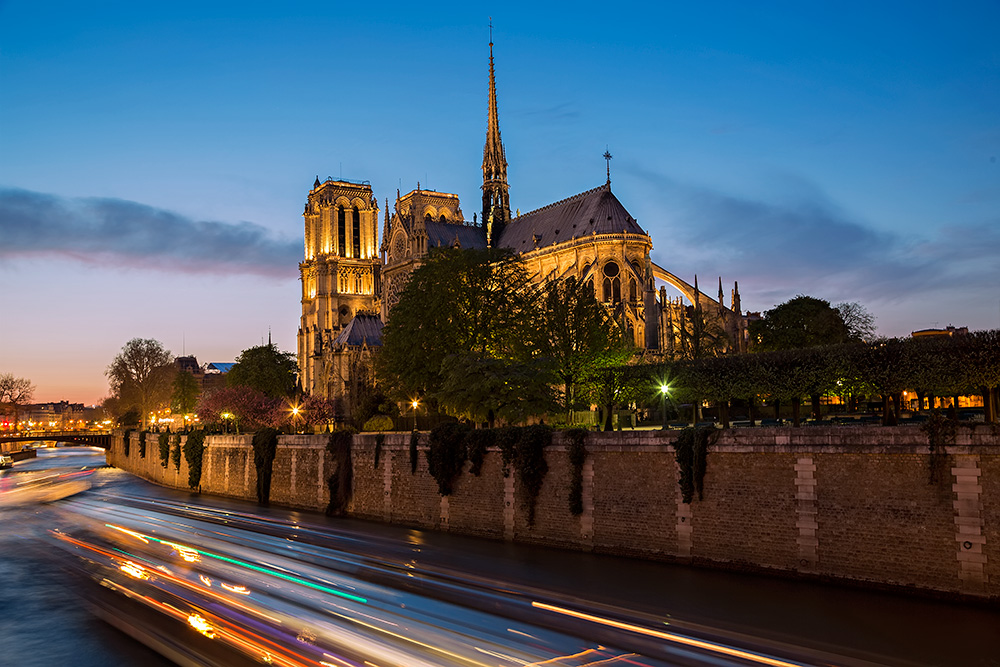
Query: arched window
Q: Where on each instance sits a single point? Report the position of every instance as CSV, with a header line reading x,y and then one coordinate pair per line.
x,y
341,232
612,283
631,289
356,229
443,219
427,217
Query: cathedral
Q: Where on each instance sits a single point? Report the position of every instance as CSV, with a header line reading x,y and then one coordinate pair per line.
x,y
350,282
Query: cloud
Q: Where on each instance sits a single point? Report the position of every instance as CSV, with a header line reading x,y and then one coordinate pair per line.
x,y
804,243
126,233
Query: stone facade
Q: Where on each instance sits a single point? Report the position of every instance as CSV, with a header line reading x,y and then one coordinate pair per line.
x,y
590,236
849,503
340,278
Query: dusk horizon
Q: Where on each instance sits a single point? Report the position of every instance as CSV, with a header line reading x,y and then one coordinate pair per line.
x,y
156,163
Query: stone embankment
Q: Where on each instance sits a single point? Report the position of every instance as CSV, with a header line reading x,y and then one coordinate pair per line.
x,y
868,505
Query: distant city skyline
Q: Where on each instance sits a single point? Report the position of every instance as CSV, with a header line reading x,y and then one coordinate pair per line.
x,y
156,159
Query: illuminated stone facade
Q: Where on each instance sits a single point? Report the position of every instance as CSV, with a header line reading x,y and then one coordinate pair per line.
x,y
340,279
590,236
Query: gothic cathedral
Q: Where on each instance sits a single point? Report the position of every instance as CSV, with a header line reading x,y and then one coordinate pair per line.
x,y
350,283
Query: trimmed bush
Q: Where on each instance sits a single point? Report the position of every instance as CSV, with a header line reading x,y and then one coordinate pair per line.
x,y
379,423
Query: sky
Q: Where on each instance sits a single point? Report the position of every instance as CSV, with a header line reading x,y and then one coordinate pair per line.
x,y
155,157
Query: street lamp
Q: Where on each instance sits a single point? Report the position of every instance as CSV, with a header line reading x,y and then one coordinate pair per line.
x,y
295,414
664,390
414,404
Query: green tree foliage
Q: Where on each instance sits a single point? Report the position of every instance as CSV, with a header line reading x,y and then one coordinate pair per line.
x,y
576,334
266,369
800,322
460,302
613,386
184,398
194,450
701,335
485,389
141,377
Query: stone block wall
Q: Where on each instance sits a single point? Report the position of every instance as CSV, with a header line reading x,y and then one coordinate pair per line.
x,y
856,503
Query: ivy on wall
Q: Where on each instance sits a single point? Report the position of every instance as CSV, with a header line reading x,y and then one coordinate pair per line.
x,y
477,441
265,447
163,441
691,453
446,454
175,453
379,441
142,444
941,432
127,440
529,461
577,457
414,441
194,451
340,481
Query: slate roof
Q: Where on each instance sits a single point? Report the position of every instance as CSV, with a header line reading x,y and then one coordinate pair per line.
x,y
594,211
364,328
219,367
444,233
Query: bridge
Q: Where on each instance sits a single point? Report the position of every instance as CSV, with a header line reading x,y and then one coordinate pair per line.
x,y
92,438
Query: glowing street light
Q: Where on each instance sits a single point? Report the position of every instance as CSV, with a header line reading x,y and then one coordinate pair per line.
x,y
664,390
414,404
295,415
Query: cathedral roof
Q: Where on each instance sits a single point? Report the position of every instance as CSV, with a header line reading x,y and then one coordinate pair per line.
x,y
363,329
444,234
595,211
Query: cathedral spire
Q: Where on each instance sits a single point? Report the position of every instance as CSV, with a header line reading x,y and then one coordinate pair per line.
x,y
496,200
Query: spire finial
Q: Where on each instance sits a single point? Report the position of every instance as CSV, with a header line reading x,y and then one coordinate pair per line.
x,y
496,197
607,157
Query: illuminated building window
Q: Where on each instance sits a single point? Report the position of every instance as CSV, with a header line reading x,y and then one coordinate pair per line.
x,y
341,231
356,231
612,283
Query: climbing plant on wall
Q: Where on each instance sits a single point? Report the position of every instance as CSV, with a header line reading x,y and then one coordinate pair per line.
x,y
340,480
476,443
265,446
163,442
577,456
175,453
142,444
941,432
126,440
446,454
691,453
379,441
414,441
194,450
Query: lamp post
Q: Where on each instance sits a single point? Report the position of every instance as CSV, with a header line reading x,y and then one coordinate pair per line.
x,y
414,404
664,390
295,415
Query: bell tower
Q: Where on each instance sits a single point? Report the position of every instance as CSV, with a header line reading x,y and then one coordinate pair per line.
x,y
496,200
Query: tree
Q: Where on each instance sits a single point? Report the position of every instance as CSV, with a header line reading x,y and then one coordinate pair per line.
x,y
576,333
266,369
141,376
247,407
475,302
184,398
800,322
14,393
485,389
860,323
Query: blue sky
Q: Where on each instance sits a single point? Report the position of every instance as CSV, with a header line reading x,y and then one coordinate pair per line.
x,y
154,160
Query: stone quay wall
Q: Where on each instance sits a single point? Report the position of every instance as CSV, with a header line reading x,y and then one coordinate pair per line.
x,y
857,504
